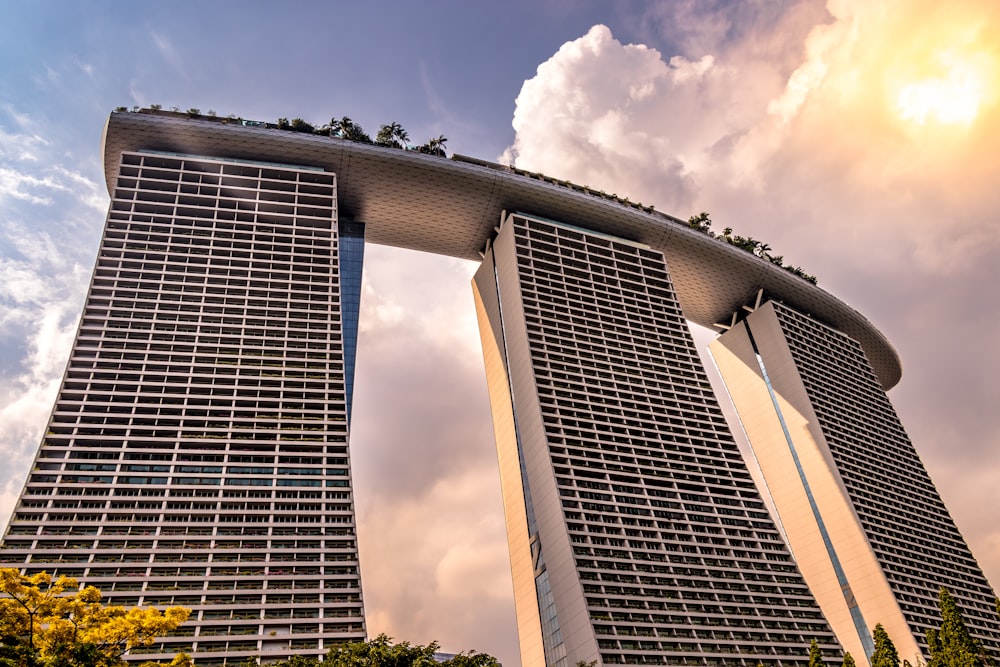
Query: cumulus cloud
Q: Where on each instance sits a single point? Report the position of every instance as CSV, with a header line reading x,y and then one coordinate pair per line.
x,y
589,110
860,140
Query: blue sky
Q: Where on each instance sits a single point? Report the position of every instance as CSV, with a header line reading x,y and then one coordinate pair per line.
x,y
860,140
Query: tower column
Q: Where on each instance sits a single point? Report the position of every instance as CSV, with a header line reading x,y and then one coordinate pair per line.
x,y
864,521
637,534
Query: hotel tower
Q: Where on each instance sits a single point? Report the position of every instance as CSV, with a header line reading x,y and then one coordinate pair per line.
x,y
198,450
864,521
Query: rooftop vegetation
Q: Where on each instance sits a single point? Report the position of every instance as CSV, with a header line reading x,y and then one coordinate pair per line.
x,y
393,135
703,223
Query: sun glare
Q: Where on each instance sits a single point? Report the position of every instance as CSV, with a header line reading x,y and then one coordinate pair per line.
x,y
953,98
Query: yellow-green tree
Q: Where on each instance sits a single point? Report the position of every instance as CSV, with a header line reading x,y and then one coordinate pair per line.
x,y
46,623
815,655
885,654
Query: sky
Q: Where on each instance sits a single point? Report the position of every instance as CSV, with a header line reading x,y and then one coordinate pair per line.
x,y
860,139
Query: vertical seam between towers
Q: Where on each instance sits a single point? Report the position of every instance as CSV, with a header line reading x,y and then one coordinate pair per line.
x,y
852,604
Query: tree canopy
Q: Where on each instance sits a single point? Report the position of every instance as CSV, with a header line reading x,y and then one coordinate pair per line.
x,y
381,652
46,623
345,128
815,655
392,135
885,654
952,645
703,223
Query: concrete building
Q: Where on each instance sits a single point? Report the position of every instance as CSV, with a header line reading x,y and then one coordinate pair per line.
x,y
636,532
864,521
198,453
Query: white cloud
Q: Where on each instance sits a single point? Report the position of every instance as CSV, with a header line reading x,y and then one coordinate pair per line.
x,y
620,118
26,398
20,147
44,269
86,68
23,120
788,128
168,51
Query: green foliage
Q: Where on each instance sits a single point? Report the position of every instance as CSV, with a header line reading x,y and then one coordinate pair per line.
x,y
474,659
46,623
193,112
435,146
703,223
392,135
848,660
345,128
299,125
381,652
815,655
885,654
952,645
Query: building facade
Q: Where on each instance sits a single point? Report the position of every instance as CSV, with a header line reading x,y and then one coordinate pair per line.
x,y
198,450
864,521
636,532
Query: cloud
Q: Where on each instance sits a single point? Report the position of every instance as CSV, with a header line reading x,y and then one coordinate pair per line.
x,y
431,534
24,121
582,114
27,394
793,127
168,51
86,68
20,147
44,270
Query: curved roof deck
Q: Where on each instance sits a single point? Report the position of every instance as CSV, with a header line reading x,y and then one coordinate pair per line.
x,y
450,207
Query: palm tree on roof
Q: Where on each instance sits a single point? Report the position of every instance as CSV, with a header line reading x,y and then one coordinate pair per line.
x,y
392,135
435,146
345,128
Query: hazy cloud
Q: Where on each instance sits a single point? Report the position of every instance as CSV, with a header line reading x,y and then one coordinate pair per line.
x,y
430,518
168,51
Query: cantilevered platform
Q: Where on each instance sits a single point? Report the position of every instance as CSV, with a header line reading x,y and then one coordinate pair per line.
x,y
450,207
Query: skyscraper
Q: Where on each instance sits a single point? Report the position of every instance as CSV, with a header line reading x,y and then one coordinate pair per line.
x,y
864,521
198,451
636,532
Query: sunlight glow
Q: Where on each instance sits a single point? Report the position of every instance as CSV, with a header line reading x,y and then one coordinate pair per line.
x,y
952,99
